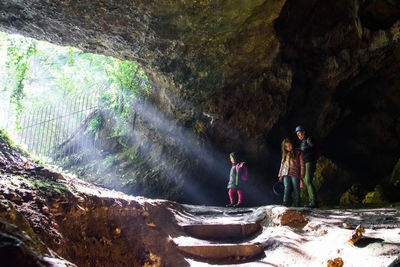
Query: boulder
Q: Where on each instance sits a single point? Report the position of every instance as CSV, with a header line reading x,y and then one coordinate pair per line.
x,y
352,197
330,180
375,197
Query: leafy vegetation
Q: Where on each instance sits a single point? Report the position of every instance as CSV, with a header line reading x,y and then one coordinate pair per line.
x,y
96,124
19,53
35,69
10,144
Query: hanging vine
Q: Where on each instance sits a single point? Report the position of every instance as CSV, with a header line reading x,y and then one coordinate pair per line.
x,y
19,53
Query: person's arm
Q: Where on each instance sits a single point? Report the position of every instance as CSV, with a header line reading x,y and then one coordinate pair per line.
x,y
280,171
302,165
310,142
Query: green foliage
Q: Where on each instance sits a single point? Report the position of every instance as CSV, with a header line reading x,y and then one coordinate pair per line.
x,y
59,74
130,153
71,60
43,186
62,73
19,53
5,139
129,82
96,124
109,161
132,156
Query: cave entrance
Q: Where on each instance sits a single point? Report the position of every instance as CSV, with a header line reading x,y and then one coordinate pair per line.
x,y
89,115
56,101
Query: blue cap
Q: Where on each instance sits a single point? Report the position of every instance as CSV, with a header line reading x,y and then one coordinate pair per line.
x,y
300,129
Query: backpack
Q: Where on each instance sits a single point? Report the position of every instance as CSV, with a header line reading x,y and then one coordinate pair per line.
x,y
243,174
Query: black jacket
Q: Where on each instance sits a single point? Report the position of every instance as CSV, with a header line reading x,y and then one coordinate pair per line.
x,y
308,149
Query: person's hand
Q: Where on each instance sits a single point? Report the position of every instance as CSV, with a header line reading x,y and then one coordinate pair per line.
x,y
280,178
302,185
308,140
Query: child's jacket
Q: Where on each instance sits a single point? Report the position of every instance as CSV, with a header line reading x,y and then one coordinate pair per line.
x,y
293,166
237,175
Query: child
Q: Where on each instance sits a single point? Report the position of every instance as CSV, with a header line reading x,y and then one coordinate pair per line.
x,y
291,171
237,176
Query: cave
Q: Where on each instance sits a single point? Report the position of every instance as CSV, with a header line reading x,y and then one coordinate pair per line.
x,y
225,76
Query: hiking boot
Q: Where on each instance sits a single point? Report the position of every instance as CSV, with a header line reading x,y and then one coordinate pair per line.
x,y
237,205
230,205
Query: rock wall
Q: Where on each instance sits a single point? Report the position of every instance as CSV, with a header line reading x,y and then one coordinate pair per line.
x,y
346,63
48,219
241,75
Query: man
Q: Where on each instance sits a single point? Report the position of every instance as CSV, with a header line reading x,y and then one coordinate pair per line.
x,y
307,146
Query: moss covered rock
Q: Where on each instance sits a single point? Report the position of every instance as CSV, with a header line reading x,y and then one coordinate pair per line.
x,y
351,197
11,219
330,181
375,197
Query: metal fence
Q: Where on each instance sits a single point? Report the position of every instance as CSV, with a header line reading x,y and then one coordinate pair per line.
x,y
44,130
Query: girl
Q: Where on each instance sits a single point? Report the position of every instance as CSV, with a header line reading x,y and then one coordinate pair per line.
x,y
291,171
237,176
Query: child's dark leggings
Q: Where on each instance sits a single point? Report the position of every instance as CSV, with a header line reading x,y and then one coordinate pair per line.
x,y
232,197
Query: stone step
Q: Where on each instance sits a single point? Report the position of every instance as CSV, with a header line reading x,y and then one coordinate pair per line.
x,y
222,232
218,253
215,211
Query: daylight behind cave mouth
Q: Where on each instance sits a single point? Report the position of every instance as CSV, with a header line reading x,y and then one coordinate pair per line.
x,y
78,112
72,109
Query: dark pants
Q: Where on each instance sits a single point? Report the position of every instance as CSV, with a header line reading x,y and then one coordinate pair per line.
x,y
289,182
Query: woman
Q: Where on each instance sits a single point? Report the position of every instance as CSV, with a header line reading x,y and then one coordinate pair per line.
x,y
291,171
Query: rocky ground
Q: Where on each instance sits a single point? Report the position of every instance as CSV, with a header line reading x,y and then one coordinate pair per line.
x,y
51,219
305,237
